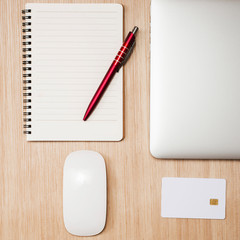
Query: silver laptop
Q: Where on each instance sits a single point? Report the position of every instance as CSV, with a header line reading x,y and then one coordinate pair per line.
x,y
195,79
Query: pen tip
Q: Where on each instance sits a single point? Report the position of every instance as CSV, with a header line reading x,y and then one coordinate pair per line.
x,y
135,29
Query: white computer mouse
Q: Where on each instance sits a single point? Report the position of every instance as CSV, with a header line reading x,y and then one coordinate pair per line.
x,y
84,193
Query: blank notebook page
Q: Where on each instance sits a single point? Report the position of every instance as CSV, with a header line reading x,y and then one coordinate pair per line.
x,y
73,46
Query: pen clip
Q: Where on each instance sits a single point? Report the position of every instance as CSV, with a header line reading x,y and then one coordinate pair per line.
x,y
128,54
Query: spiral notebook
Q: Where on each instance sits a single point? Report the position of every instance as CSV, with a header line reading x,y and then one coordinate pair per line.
x,y
67,49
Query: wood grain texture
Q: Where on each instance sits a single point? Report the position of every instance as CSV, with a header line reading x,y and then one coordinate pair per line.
x,y
31,172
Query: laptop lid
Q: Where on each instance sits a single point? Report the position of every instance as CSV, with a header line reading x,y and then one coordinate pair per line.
x,y
195,79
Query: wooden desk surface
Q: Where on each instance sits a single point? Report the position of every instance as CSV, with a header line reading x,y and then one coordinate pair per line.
x,y
31,172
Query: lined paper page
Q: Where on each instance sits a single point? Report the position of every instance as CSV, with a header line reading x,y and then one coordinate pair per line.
x,y
72,47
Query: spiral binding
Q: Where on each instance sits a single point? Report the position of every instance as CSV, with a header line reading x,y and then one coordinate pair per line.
x,y
27,70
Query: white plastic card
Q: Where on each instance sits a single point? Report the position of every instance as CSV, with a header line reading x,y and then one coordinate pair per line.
x,y
193,198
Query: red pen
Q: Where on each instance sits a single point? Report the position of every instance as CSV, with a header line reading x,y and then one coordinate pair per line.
x,y
121,58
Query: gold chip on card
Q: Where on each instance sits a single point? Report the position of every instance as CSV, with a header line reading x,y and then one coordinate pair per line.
x,y
213,201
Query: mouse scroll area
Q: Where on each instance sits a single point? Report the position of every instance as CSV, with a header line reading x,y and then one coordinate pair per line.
x,y
84,193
